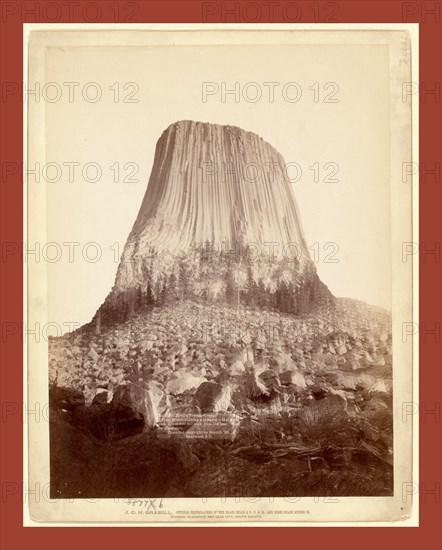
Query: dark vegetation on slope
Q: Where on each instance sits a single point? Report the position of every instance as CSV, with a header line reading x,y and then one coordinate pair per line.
x,y
234,277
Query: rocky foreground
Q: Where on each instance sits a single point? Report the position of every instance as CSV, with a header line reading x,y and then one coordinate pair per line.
x,y
211,401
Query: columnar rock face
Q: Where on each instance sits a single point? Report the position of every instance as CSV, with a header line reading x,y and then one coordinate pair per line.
x,y
219,187
216,184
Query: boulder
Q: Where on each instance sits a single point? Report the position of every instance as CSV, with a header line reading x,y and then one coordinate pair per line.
x,y
341,350
260,344
178,349
378,361
294,378
101,396
146,345
93,354
89,392
139,400
182,382
213,396
282,360
344,381
236,368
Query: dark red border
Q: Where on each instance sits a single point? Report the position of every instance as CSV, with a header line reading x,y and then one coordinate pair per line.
x,y
428,535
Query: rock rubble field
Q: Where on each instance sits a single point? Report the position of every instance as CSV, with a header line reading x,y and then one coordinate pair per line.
x,y
213,400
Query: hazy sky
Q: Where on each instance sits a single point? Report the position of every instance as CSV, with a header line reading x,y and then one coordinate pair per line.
x,y
353,212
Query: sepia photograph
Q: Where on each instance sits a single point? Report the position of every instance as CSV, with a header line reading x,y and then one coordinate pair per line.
x,y
220,236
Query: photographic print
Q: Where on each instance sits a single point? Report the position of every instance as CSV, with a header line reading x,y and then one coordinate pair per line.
x,y
221,222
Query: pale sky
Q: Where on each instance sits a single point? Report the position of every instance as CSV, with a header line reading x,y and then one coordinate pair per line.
x,y
354,212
